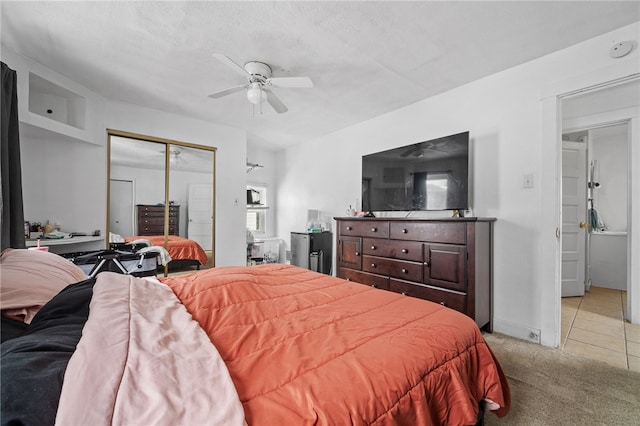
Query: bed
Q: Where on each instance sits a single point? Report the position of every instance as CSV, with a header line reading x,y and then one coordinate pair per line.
x,y
183,252
264,345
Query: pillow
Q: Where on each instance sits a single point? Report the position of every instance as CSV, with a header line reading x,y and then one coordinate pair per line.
x,y
30,278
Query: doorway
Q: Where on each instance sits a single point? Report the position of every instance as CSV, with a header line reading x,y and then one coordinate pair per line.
x,y
122,201
601,122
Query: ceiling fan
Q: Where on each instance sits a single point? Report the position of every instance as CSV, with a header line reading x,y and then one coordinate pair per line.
x,y
259,83
175,155
422,148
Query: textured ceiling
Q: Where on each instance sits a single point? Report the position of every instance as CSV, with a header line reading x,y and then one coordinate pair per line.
x,y
365,58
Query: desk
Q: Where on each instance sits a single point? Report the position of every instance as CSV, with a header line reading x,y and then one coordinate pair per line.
x,y
62,241
70,245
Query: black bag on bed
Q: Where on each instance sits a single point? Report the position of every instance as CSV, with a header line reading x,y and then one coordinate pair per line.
x,y
124,262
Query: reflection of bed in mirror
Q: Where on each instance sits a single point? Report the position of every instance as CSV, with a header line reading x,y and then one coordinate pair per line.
x,y
183,252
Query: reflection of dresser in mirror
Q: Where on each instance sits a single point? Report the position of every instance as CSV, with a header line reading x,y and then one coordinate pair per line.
x,y
151,219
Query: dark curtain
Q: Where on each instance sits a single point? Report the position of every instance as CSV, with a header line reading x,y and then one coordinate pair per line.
x,y
12,220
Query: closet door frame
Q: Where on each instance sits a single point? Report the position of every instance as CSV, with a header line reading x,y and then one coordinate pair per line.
x,y
167,169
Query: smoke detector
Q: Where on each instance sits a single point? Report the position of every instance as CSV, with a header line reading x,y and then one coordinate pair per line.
x,y
621,49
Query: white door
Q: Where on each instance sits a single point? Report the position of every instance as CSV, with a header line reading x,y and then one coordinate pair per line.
x,y
200,211
574,217
121,211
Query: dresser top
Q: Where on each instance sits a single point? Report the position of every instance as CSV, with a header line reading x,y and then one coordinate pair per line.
x,y
419,219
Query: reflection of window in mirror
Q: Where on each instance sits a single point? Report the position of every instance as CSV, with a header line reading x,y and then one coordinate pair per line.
x,y
257,209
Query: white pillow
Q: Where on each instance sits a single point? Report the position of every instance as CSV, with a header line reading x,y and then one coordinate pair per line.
x,y
30,278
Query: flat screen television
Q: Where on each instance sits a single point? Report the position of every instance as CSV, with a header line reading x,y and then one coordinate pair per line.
x,y
429,175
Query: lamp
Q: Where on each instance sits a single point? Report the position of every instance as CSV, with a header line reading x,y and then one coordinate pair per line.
x,y
256,94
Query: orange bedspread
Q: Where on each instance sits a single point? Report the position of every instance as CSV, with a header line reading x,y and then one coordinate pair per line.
x,y
179,248
306,348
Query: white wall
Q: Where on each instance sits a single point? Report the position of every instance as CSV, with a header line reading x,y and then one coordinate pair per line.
x,y
503,115
63,167
64,182
230,167
609,147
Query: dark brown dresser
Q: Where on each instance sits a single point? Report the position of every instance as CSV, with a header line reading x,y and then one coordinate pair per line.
x,y
447,261
151,219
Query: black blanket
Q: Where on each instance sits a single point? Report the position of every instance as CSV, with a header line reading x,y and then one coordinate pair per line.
x,y
33,364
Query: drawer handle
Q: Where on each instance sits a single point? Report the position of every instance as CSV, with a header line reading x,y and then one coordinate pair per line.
x,y
348,279
357,253
443,304
403,293
374,286
404,271
373,247
404,231
349,228
426,264
374,229
373,265
405,251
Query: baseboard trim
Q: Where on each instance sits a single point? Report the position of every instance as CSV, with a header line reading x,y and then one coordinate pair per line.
x,y
516,330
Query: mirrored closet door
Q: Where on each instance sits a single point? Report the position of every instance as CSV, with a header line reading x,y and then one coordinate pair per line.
x,y
163,191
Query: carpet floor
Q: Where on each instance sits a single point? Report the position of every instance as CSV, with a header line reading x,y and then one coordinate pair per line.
x,y
551,387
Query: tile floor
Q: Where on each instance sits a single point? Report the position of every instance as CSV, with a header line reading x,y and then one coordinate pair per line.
x,y
593,326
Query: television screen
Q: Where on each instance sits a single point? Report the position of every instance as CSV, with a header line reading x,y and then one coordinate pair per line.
x,y
429,175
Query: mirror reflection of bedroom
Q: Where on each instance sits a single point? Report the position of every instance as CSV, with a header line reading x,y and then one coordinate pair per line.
x,y
161,193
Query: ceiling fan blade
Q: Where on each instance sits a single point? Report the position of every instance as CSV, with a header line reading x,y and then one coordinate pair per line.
x,y
228,91
412,150
275,102
294,82
228,62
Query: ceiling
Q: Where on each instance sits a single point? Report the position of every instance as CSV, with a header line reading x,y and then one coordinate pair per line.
x,y
365,58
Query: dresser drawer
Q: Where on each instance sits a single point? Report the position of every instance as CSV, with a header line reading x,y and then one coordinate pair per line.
x,y
375,229
450,299
405,250
157,210
151,230
394,268
150,213
156,220
373,280
156,230
437,232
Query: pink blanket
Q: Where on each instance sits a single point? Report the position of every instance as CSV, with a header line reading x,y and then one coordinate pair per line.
x,y
143,360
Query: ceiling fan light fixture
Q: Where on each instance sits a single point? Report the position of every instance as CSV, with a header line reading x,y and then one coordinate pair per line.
x,y
256,94
174,153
